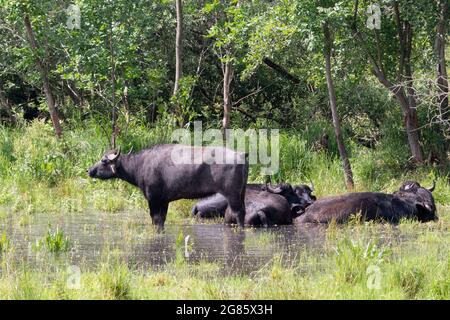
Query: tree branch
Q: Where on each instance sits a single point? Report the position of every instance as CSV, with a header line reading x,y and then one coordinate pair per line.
x,y
281,71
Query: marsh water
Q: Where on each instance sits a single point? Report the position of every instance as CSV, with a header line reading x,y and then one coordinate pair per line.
x,y
131,235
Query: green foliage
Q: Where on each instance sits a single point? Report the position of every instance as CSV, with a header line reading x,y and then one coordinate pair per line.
x,y
140,45
183,99
54,241
353,259
5,244
114,279
180,249
411,280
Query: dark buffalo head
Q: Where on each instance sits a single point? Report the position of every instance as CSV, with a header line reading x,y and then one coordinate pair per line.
x,y
304,193
299,197
106,167
421,197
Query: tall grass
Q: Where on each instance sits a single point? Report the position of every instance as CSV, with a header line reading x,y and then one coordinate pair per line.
x,y
4,242
54,241
41,174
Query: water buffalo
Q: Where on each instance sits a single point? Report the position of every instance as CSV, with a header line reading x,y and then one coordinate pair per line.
x,y
169,172
263,208
411,201
265,205
215,205
299,197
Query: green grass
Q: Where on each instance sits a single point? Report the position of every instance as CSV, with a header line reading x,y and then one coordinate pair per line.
x,y
41,175
4,242
54,241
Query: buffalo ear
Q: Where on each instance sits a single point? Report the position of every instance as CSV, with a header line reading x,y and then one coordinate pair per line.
x,y
428,206
424,206
426,212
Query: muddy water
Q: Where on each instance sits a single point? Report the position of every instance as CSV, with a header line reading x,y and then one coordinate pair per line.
x,y
94,236
131,236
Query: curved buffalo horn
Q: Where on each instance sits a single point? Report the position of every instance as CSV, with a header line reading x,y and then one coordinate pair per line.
x,y
409,186
272,189
311,185
113,156
432,187
129,152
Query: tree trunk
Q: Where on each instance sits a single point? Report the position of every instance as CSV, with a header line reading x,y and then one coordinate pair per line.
x,y
403,91
227,78
408,106
439,48
336,122
44,75
115,130
407,97
6,105
178,45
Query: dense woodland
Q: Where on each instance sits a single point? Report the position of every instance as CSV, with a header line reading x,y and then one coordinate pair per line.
x,y
329,71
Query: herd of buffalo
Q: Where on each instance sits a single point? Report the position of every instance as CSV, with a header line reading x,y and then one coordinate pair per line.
x,y
223,191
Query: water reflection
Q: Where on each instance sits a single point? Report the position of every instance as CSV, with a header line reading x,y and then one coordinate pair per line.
x,y
93,234
131,235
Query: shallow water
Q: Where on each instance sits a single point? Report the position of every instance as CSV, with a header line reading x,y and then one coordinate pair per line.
x,y
130,235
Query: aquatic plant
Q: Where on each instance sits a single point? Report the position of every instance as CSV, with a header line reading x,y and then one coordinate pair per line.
x,y
4,243
54,241
353,258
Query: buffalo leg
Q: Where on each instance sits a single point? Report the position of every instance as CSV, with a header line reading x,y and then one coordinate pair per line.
x,y
237,209
194,211
158,213
229,219
264,221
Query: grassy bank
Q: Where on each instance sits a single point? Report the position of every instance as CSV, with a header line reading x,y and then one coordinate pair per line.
x,y
41,175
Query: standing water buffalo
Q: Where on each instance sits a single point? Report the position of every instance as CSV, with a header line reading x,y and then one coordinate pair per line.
x,y
265,205
170,172
411,201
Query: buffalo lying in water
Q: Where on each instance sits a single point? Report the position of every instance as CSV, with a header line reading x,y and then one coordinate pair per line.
x,y
265,205
411,201
170,172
